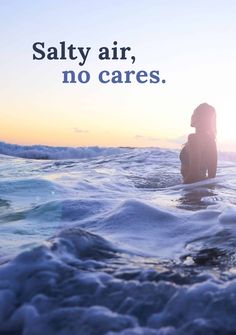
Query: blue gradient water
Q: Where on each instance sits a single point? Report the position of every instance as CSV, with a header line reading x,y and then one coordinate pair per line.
x,y
108,241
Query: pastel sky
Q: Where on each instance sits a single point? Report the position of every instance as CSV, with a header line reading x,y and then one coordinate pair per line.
x,y
191,43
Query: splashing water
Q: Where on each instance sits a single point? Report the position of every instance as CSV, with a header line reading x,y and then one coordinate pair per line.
x,y
108,241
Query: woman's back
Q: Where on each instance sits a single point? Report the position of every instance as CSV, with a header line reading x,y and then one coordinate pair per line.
x,y
199,155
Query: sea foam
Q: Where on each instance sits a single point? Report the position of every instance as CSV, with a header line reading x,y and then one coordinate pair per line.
x,y
109,241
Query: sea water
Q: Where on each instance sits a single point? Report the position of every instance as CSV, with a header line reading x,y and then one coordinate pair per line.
x,y
109,241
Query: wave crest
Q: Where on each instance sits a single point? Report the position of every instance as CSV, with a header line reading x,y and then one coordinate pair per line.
x,y
48,152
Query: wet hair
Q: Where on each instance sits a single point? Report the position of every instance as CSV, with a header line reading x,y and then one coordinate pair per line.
x,y
204,118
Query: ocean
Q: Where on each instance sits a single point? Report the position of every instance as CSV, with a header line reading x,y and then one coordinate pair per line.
x,y
109,241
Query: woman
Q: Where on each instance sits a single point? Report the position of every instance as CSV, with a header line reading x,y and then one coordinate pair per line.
x,y
199,155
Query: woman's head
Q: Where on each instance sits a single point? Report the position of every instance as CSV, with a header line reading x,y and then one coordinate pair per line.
x,y
204,119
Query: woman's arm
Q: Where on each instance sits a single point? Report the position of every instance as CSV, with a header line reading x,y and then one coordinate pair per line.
x,y
194,173
212,162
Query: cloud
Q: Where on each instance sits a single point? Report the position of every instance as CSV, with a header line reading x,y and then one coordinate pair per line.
x,y
80,131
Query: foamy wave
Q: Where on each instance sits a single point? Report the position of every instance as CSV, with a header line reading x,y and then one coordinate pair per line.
x,y
66,287
126,252
48,152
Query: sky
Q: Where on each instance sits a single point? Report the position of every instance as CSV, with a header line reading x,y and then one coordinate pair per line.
x,y
191,43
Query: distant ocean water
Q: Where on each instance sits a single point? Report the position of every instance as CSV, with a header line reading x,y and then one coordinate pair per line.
x,y
108,241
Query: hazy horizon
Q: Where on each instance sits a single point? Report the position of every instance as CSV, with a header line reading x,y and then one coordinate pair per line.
x,y
176,148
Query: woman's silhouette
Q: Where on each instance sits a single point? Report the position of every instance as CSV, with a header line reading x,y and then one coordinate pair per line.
x,y
199,155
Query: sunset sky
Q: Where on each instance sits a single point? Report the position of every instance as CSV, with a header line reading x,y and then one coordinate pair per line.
x,y
191,43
